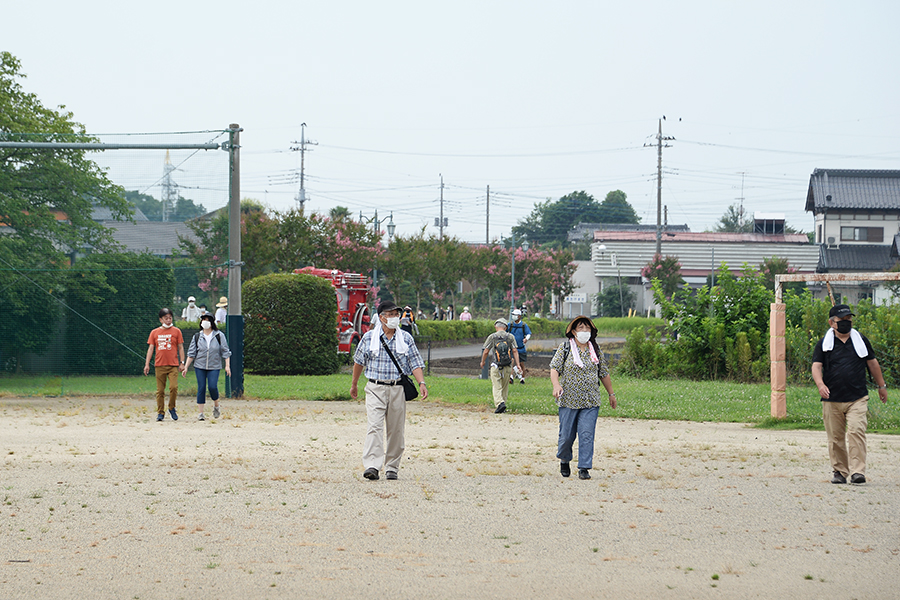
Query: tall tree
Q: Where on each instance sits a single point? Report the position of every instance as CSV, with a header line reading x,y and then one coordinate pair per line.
x,y
550,222
734,220
46,202
616,209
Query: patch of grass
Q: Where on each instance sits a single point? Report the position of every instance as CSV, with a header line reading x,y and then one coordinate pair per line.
x,y
663,399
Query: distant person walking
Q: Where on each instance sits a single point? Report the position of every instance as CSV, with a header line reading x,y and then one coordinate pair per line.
x,y
839,364
169,345
210,353
385,399
500,346
522,332
465,315
576,371
221,310
191,312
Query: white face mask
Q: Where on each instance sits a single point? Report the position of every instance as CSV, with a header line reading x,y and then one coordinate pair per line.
x,y
166,325
393,322
583,336
205,324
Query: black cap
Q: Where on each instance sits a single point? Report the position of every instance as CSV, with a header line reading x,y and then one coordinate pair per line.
x,y
840,311
387,305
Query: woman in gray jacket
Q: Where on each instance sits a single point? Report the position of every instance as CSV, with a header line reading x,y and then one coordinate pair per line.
x,y
209,352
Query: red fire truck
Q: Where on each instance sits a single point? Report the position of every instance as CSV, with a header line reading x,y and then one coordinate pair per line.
x,y
351,291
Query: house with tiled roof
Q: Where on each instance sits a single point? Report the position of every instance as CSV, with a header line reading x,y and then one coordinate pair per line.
x,y
857,220
619,256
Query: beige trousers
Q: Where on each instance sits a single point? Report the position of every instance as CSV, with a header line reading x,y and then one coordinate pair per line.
x,y
845,426
500,384
164,372
386,411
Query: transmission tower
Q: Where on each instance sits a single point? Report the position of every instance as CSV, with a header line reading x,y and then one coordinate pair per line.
x,y
169,189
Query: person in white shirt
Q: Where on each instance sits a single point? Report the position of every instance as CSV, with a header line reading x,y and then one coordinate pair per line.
x,y
191,312
221,310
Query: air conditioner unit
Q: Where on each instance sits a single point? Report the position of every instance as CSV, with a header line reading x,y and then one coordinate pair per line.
x,y
830,241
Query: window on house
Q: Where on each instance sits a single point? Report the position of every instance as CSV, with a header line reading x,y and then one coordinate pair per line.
x,y
819,239
866,296
862,234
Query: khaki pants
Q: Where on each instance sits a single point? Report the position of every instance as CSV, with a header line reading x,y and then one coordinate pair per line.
x,y
500,384
163,372
845,426
386,411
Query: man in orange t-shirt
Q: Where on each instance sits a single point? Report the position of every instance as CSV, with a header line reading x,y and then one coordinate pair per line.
x,y
169,345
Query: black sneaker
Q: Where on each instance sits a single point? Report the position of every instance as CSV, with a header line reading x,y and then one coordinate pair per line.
x,y
371,473
838,478
564,469
583,474
391,475
857,478
501,408
173,414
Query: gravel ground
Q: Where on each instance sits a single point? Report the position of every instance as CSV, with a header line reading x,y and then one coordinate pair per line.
x,y
100,501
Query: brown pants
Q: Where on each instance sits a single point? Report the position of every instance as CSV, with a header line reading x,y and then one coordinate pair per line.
x,y
162,372
845,426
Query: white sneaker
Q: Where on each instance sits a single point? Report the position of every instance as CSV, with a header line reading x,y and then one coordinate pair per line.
x,y
216,413
200,417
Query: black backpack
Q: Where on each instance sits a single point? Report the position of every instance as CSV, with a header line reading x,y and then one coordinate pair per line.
x,y
501,353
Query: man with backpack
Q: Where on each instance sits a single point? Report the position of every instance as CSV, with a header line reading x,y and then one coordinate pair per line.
x,y
501,346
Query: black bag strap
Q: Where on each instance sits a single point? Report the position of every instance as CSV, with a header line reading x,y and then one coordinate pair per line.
x,y
391,354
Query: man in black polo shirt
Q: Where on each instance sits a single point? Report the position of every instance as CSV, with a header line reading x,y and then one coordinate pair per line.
x,y
839,364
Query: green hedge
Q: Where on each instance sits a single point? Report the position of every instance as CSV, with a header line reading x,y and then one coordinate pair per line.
x,y
546,328
289,325
116,300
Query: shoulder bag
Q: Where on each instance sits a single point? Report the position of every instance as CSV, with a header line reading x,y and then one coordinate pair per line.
x,y
409,388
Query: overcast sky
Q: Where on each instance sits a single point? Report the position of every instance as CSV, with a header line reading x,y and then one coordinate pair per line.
x,y
535,99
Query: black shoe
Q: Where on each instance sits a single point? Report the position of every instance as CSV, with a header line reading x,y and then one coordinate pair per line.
x,y
371,473
391,475
838,478
564,469
583,474
857,478
522,381
501,408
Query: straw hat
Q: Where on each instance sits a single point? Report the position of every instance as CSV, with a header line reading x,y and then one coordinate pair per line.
x,y
575,321
223,302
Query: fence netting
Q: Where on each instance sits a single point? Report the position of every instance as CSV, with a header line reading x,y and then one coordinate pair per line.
x,y
72,308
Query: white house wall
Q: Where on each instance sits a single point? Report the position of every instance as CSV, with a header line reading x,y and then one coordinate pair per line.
x,y
631,257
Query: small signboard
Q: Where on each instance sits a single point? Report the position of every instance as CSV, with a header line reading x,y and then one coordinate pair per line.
x,y
576,298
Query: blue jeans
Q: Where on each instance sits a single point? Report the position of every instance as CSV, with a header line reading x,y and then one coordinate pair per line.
x,y
206,377
580,422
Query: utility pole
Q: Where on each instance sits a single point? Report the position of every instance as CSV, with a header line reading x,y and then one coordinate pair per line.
x,y
660,144
442,207
301,194
741,206
487,218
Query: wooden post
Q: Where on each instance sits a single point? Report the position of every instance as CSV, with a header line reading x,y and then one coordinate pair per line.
x,y
777,353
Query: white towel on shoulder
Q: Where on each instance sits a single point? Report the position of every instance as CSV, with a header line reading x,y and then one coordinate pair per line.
x,y
858,344
375,341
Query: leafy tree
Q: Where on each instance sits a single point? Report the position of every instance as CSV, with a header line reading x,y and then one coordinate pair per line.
x,y
734,221
46,202
667,270
404,262
776,265
184,208
446,259
550,222
615,300
616,209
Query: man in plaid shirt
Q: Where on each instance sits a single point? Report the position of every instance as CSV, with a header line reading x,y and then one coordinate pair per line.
x,y
385,400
